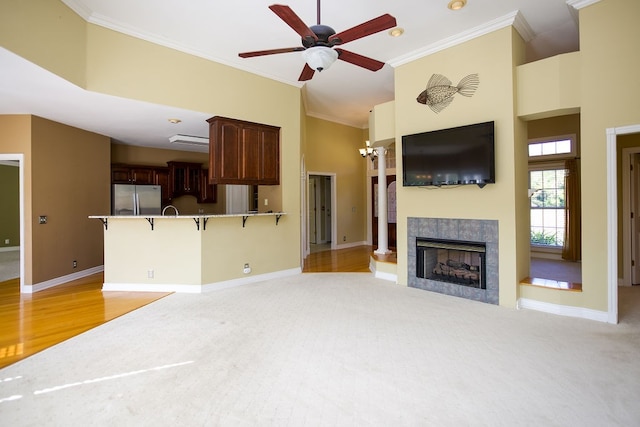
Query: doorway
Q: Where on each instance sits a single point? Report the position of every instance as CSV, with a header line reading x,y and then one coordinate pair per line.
x,y
612,216
630,216
321,205
17,160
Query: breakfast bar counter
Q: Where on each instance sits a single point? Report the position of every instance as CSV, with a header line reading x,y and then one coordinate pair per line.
x,y
191,253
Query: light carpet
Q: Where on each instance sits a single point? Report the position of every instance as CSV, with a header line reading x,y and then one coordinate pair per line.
x,y
9,265
333,349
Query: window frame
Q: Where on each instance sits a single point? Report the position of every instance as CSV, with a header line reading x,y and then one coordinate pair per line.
x,y
547,162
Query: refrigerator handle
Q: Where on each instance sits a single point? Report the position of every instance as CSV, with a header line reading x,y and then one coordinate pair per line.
x,y
136,206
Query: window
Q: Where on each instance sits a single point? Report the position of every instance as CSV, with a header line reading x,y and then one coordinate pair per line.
x,y
547,206
547,189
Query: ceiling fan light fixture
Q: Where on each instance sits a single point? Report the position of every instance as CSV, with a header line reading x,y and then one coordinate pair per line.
x,y
457,4
320,57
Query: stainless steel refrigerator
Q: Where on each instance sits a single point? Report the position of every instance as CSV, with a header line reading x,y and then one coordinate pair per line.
x,y
127,199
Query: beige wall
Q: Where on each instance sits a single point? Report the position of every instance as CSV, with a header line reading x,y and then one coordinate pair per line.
x,y
10,202
608,41
504,201
332,148
46,33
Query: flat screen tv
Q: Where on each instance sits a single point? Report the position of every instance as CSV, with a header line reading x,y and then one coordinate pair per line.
x,y
458,156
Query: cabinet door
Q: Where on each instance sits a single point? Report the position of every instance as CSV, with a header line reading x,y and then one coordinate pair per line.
x,y
251,150
270,167
121,175
143,175
229,152
184,178
208,192
162,179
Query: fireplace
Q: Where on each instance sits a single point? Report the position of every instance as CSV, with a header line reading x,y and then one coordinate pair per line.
x,y
452,256
453,261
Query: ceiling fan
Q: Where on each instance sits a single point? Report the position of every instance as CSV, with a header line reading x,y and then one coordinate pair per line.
x,y
318,42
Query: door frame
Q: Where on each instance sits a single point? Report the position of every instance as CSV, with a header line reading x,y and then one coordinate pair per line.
x,y
21,167
612,217
334,209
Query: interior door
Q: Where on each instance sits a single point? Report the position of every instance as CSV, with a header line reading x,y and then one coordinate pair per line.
x,y
635,219
391,211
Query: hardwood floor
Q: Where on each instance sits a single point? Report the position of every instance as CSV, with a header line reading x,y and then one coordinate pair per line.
x,y
29,323
342,260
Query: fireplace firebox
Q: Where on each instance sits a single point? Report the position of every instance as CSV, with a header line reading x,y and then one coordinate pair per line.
x,y
452,261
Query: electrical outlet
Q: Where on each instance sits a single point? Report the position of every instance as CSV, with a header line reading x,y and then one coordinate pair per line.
x,y
344,238
75,263
150,273
246,269
42,219
266,202
6,241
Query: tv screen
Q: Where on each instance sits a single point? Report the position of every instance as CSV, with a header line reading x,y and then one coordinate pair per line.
x,y
458,156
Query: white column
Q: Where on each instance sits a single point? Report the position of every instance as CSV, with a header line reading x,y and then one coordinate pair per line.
x,y
383,229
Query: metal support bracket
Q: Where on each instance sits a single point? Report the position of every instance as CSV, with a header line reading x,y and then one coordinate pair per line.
x,y
204,223
105,221
150,220
244,219
278,218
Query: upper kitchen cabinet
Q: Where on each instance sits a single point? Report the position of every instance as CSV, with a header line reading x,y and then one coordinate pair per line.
x,y
243,152
129,174
184,179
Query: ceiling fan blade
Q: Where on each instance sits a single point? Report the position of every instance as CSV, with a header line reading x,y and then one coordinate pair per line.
x,y
359,60
381,23
270,52
291,19
307,73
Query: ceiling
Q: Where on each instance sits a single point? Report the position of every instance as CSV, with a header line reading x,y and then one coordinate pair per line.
x,y
218,31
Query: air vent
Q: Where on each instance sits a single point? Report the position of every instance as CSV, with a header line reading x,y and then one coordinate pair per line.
x,y
189,140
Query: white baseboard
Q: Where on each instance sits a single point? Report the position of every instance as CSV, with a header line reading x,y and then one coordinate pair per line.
x,y
251,279
10,248
149,287
37,287
197,289
563,310
350,245
386,276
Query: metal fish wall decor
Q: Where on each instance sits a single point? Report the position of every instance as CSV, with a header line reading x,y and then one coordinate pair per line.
x,y
439,92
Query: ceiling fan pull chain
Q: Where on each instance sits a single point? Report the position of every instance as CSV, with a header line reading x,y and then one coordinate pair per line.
x,y
318,12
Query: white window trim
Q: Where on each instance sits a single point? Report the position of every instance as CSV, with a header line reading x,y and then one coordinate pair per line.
x,y
563,156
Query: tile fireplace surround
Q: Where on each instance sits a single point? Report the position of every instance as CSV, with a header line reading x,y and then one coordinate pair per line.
x,y
470,230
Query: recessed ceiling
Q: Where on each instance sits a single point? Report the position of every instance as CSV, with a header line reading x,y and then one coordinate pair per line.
x,y
344,93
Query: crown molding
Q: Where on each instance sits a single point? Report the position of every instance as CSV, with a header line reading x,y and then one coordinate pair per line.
x,y
579,4
512,19
105,22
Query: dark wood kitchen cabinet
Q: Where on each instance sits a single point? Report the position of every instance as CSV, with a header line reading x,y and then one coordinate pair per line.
x,y
243,152
132,174
184,178
208,192
162,179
